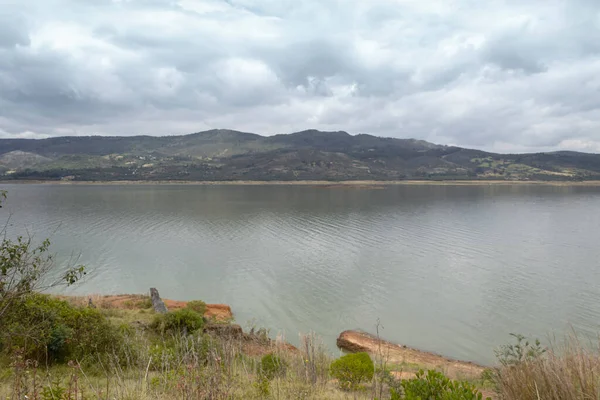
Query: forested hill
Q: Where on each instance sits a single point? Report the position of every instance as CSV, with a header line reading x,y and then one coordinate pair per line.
x,y
308,155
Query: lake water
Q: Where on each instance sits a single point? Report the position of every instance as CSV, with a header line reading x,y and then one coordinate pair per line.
x,y
450,269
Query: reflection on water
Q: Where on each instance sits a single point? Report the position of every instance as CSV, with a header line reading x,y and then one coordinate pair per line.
x,y
452,269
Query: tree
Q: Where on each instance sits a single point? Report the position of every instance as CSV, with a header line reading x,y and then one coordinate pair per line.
x,y
26,268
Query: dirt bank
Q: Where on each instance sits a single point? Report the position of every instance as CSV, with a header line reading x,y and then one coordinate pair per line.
x,y
135,306
406,359
217,312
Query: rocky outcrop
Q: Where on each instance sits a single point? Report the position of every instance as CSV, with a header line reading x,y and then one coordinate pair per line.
x,y
157,303
356,341
353,342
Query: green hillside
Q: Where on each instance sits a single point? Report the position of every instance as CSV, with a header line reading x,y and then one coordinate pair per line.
x,y
309,155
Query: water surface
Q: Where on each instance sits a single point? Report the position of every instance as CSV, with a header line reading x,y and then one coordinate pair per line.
x,y
450,269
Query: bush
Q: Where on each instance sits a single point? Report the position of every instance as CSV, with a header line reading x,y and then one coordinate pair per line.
x,y
179,321
272,366
522,350
352,369
48,328
197,305
435,385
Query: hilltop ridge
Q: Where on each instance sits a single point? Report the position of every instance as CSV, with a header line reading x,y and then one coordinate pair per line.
x,y
222,154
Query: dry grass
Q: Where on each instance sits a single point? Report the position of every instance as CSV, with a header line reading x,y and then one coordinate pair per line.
x,y
570,371
192,371
177,367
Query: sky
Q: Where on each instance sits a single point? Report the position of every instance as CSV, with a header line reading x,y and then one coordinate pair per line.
x,y
498,75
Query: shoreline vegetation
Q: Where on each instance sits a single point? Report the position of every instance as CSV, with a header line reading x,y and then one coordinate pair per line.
x,y
141,347
369,184
350,341
136,315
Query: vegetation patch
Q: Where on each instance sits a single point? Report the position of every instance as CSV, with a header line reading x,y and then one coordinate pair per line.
x,y
197,306
434,385
352,369
272,366
50,329
178,321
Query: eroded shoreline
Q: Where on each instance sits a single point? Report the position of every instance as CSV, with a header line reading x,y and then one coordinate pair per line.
x,y
405,360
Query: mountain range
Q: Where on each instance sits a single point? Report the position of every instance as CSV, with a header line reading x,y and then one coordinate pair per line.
x,y
218,155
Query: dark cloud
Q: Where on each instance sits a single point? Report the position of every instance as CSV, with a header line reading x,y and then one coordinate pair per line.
x,y
499,75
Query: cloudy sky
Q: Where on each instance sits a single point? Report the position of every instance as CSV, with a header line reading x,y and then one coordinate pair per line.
x,y
503,75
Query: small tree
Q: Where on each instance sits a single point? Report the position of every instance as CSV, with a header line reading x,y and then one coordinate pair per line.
x,y
523,350
26,268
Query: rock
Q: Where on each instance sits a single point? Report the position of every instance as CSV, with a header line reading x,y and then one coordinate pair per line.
x,y
157,303
225,331
347,341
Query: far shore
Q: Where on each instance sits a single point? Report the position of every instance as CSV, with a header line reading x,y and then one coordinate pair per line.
x,y
357,184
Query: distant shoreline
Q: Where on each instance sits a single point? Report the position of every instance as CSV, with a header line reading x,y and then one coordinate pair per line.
x,y
314,183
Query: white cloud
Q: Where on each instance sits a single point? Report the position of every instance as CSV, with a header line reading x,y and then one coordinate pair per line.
x,y
22,135
498,75
579,144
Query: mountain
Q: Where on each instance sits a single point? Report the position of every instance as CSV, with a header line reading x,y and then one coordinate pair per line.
x,y
308,155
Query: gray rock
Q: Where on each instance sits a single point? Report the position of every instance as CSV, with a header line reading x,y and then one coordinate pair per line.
x,y
157,303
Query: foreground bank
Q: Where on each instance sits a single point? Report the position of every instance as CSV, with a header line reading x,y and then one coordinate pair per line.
x,y
143,347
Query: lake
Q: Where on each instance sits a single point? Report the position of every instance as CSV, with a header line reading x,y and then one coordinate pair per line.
x,y
449,269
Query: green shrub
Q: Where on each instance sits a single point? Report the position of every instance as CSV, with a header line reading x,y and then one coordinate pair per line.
x,y
141,302
522,350
162,355
352,369
262,386
272,366
93,333
57,343
197,305
54,390
435,385
145,303
179,321
45,327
